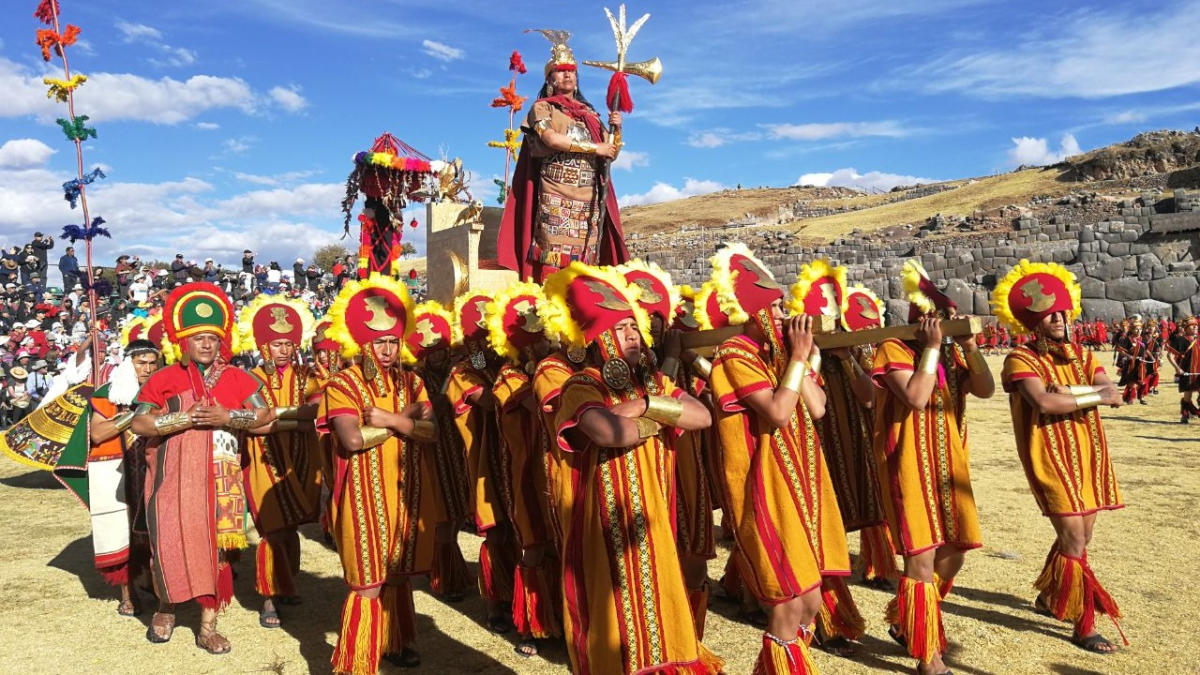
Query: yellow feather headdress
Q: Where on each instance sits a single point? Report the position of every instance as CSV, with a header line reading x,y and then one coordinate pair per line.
x,y
810,273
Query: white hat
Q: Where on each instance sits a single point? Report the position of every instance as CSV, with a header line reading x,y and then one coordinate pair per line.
x,y
300,260
208,260
32,323
162,273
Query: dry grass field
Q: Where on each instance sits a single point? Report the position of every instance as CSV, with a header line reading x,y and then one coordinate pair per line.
x,y
59,617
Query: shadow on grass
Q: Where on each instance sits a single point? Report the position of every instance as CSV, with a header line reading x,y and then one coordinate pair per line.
x,y
34,480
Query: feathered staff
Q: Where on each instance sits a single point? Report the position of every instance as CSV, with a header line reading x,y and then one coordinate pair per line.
x,y
512,140
53,41
617,97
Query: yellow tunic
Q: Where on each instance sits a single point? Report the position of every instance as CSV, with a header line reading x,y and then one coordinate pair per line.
x,y
925,481
694,497
1065,456
480,438
381,496
845,433
283,469
626,606
774,483
522,451
549,377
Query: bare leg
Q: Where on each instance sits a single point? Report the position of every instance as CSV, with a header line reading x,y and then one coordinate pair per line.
x,y
921,567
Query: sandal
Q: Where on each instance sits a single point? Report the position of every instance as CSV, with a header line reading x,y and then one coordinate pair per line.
x,y
1095,643
211,641
526,648
128,608
1040,606
269,618
838,646
407,658
161,628
894,632
499,623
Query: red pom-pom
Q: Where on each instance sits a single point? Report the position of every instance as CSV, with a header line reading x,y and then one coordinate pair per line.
x,y
412,274
413,223
618,93
516,63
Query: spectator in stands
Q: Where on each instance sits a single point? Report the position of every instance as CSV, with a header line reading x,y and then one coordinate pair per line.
x,y
248,261
211,272
29,266
40,246
299,280
35,287
124,273
68,266
179,268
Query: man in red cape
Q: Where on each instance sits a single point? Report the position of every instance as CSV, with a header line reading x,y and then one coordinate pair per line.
x,y
555,214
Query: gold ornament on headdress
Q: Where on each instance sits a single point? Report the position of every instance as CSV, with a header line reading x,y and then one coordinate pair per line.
x,y
560,52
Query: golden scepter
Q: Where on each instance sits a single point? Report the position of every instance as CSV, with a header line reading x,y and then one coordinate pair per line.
x,y
618,87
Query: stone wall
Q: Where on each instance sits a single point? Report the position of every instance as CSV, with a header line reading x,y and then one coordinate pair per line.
x,y
1136,261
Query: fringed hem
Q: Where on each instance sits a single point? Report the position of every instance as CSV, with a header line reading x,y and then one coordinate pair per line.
x,y
450,574
698,603
917,611
496,571
1069,589
399,617
838,616
231,541
360,640
877,555
116,575
272,570
778,657
224,594
533,604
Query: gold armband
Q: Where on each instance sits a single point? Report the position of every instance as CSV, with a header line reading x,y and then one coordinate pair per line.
x,y
374,436
1083,401
423,430
583,147
287,412
1080,389
122,421
814,362
241,420
929,361
793,377
646,427
172,422
670,367
541,125
976,363
664,410
702,367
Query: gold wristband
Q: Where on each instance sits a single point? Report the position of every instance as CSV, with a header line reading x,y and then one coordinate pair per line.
x,y
646,427
287,412
122,421
793,377
172,422
814,362
423,430
373,436
583,147
976,363
1080,389
670,367
702,367
286,425
664,410
929,361
242,419
1083,401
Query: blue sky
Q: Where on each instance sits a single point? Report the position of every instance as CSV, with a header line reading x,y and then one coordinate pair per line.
x,y
228,124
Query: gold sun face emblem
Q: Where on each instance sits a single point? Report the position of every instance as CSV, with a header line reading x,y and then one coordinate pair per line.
x,y
279,320
1039,299
527,311
689,314
381,317
866,308
609,298
649,295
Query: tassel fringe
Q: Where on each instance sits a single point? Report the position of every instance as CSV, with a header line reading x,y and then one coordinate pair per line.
x,y
496,570
533,604
838,616
272,570
116,575
780,657
399,617
224,594
1069,588
360,641
917,611
450,575
877,554
698,602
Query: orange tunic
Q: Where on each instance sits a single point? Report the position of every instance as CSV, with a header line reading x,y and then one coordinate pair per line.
x,y
925,481
626,606
480,438
1065,456
523,447
382,497
549,377
283,470
694,498
845,433
775,484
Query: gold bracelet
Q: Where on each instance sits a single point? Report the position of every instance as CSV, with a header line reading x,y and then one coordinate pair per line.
x,y
1080,389
242,419
122,421
702,367
423,430
976,363
929,361
664,410
814,362
646,427
1091,400
287,412
670,367
286,425
172,422
793,377
583,147
373,436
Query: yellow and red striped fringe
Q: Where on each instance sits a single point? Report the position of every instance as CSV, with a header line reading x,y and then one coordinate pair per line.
x,y
876,553
917,610
944,586
450,575
838,615
497,565
778,657
533,603
399,617
272,570
1069,588
698,602
360,640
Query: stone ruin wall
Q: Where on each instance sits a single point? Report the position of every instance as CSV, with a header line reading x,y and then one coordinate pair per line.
x,y
1137,260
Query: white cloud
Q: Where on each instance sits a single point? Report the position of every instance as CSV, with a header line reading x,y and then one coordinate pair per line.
x,y
288,98
207,126
238,145
24,153
822,131
274,180
706,139
871,181
137,33
631,158
1079,56
441,51
665,192
1027,151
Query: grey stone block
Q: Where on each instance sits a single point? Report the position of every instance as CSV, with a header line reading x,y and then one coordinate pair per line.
x,y
1108,269
1118,249
1104,310
1147,308
1130,235
1182,309
1184,266
1174,289
1158,272
1125,290
960,292
1091,288
897,312
983,305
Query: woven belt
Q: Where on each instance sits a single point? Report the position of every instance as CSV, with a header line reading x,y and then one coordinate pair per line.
x,y
579,174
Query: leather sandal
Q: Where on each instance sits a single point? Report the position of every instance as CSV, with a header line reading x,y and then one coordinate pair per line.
x,y
165,623
210,640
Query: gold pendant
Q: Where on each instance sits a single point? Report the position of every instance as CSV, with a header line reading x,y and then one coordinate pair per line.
x,y
577,355
617,374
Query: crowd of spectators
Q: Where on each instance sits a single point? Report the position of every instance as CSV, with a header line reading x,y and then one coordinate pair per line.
x,y
45,313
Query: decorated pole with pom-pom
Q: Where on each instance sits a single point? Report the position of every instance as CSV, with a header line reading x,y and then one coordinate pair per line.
x,y
512,141
54,41
618,97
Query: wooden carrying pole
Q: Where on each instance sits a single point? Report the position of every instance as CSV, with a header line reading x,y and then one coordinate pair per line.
x,y
705,342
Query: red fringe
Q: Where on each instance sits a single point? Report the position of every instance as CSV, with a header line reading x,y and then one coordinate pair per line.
x,y
917,611
698,602
399,617
618,93
450,574
117,575
789,658
533,604
360,639
877,554
496,570
838,615
224,589
1070,590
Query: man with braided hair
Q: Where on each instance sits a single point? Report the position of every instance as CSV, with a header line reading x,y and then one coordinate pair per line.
x,y
1055,388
